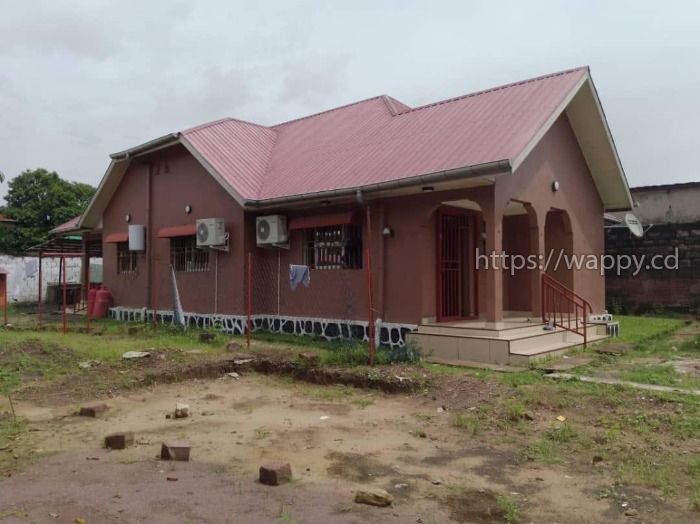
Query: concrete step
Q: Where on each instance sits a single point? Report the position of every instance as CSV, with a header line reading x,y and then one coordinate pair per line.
x,y
458,331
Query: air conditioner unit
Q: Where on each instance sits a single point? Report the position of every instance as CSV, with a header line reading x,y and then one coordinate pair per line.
x,y
211,232
271,229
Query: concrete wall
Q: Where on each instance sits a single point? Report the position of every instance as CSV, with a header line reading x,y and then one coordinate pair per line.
x,y
23,275
656,287
677,203
558,157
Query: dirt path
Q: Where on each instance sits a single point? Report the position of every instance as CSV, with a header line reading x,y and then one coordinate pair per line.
x,y
366,439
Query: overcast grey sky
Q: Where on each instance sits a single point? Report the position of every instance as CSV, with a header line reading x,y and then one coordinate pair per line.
x,y
82,79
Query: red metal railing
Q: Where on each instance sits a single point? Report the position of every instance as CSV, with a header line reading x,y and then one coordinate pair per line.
x,y
564,308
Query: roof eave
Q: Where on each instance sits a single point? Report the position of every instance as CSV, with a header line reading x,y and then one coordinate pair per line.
x,y
498,167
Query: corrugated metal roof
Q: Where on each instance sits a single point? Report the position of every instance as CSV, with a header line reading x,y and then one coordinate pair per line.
x,y
239,151
67,227
379,139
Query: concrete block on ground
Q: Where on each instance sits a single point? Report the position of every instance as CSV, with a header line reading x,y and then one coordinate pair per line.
x,y
275,474
175,450
120,440
182,410
92,410
374,497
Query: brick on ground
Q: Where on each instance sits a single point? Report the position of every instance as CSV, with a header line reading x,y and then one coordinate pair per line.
x,y
275,474
120,440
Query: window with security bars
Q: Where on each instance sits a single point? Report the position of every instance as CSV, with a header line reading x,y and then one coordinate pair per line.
x,y
185,256
126,259
333,247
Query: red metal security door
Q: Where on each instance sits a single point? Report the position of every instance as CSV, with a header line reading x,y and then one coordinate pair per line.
x,y
456,284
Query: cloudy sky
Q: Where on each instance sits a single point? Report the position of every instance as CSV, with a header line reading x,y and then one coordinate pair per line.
x,y
82,79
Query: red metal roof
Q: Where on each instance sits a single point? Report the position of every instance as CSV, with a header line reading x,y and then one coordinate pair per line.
x,y
67,227
379,139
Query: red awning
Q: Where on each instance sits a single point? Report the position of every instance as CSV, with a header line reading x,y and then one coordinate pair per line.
x,y
115,238
330,219
177,231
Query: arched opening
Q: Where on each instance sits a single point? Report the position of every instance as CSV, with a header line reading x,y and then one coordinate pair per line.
x,y
558,247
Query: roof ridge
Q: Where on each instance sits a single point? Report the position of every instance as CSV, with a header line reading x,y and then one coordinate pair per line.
x,y
497,88
327,111
221,121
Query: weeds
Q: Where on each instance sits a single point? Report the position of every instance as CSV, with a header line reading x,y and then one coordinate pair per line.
x,y
511,515
469,422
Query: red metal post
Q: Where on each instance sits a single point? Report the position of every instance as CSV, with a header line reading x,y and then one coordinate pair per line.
x,y
370,306
370,312
156,291
39,302
4,292
65,296
87,294
250,299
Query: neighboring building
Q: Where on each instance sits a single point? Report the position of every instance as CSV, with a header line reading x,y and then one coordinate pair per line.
x,y
524,168
670,214
7,222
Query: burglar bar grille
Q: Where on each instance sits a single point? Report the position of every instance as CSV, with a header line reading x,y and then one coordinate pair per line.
x,y
126,259
334,247
184,255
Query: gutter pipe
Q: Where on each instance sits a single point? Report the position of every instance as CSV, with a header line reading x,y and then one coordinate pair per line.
x,y
495,168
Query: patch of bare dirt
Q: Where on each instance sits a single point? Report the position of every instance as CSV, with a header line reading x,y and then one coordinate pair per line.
x,y
477,506
356,467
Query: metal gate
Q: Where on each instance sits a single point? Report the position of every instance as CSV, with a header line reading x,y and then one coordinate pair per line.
x,y
456,279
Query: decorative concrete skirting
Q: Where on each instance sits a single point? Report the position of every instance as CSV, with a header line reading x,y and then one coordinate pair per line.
x,y
389,334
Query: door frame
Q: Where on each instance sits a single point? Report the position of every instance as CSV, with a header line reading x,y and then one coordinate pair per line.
x,y
472,244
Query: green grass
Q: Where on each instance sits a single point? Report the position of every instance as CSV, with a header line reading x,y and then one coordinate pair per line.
x,y
469,422
659,374
634,330
115,341
511,515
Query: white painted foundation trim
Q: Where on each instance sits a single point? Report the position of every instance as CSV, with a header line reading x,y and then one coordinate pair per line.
x,y
387,333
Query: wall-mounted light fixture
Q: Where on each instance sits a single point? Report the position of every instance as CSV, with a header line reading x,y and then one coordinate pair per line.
x,y
188,209
127,218
555,185
387,231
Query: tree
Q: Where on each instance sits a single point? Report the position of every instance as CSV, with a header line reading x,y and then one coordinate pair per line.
x,y
39,200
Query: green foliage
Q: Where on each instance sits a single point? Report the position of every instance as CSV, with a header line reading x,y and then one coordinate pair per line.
x,y
40,200
511,515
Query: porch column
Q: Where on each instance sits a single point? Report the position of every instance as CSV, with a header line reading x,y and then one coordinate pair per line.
x,y
493,219
536,218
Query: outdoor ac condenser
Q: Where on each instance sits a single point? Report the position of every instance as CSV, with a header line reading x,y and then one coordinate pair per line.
x,y
211,232
270,230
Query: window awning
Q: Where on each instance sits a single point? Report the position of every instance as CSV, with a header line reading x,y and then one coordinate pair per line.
x,y
177,231
115,238
330,219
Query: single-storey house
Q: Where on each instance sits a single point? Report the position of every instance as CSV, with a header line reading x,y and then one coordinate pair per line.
x,y
523,168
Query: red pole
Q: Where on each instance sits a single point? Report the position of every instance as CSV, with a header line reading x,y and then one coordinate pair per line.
x,y
87,294
250,298
65,296
4,292
39,303
370,305
155,294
